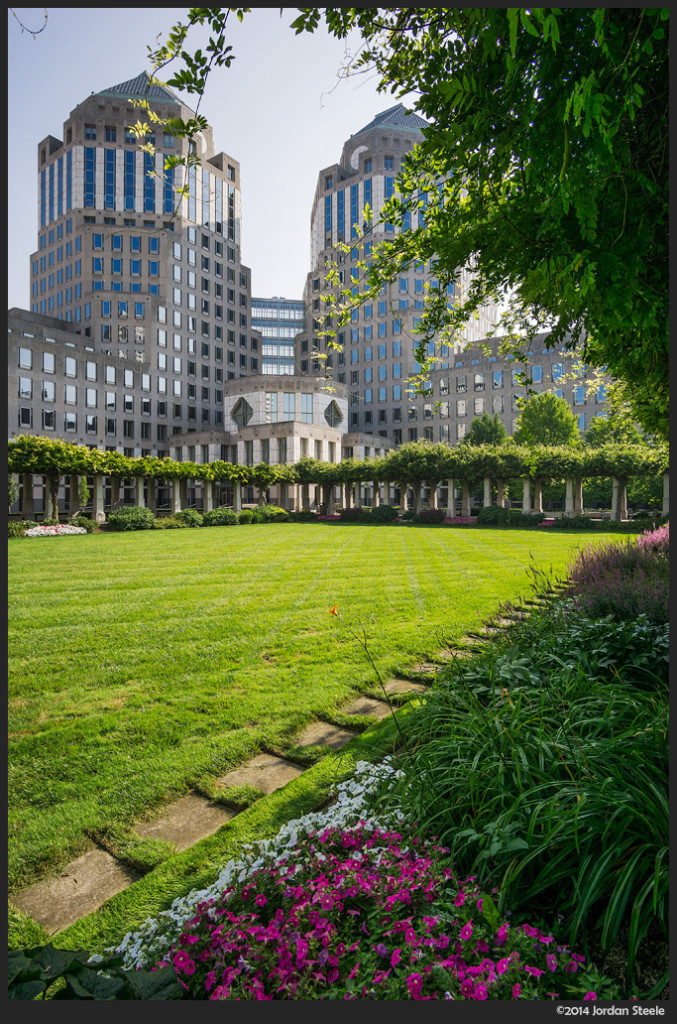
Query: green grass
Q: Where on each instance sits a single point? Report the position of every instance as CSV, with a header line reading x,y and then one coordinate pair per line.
x,y
142,664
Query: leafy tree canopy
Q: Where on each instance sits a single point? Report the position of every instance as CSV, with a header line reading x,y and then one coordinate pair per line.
x,y
544,169
616,425
485,429
548,420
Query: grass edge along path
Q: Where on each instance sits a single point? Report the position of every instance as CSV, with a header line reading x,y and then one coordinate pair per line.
x,y
199,865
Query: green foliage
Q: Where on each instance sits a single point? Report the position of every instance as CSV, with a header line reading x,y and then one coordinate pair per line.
x,y
572,214
245,516
547,420
12,489
170,523
131,517
84,522
220,517
270,514
486,429
190,516
494,515
555,791
36,973
355,515
429,515
384,514
17,527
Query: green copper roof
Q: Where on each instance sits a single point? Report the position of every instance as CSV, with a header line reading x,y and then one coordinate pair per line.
x,y
140,87
396,118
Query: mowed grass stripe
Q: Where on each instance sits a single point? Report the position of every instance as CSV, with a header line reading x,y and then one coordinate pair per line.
x,y
142,664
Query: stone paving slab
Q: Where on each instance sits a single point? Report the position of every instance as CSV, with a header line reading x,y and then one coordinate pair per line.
x,y
186,821
266,772
368,706
405,686
326,735
81,888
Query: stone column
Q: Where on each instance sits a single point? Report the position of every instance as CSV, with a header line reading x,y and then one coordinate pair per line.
x,y
578,496
139,496
666,494
331,500
152,494
377,495
98,514
619,500
487,492
500,493
451,498
73,500
569,499
114,491
465,498
183,492
237,496
538,495
357,494
27,503
526,495
175,500
51,508
347,492
208,492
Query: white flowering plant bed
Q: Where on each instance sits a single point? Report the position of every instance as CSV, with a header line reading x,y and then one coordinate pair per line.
x,y
53,531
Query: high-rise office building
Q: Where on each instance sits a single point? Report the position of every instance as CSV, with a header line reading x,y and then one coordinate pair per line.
x,y
143,275
376,355
278,321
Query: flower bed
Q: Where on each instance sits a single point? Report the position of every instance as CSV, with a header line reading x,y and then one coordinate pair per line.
x,y
52,531
340,905
461,521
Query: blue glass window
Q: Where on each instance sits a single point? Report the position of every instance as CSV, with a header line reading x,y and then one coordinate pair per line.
x,y
148,184
109,179
90,175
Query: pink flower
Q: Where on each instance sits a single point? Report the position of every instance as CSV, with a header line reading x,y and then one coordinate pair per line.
x,y
480,992
501,935
502,966
467,988
479,905
460,900
209,980
516,992
396,957
551,963
533,971
260,900
182,962
415,984
466,931
589,995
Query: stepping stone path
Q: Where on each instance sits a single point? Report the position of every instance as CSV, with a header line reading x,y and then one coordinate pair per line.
x,y
87,882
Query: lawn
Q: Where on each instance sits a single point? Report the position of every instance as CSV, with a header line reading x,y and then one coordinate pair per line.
x,y
143,664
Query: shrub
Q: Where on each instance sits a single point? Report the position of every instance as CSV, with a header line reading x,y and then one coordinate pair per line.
x,y
494,515
190,516
131,517
83,522
430,515
384,514
407,515
302,517
170,523
576,523
220,517
270,514
246,516
17,527
622,579
355,515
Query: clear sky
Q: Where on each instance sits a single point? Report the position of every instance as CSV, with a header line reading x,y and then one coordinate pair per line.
x,y
280,109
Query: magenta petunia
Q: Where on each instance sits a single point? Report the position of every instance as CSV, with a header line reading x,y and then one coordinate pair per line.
x,y
516,992
415,985
551,962
466,931
589,995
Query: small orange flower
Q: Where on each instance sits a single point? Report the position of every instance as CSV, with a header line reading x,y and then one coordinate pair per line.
x,y
333,610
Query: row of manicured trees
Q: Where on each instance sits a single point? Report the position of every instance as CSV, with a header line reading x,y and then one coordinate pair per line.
x,y
410,465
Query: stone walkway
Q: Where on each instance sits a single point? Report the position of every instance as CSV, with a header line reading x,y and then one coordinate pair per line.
x,y
87,882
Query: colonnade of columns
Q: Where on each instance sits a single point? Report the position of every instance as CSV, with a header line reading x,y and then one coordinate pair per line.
x,y
293,496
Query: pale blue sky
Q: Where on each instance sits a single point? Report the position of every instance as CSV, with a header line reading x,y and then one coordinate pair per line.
x,y
280,110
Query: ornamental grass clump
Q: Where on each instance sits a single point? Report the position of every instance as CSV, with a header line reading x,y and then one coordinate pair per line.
x,y
623,579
